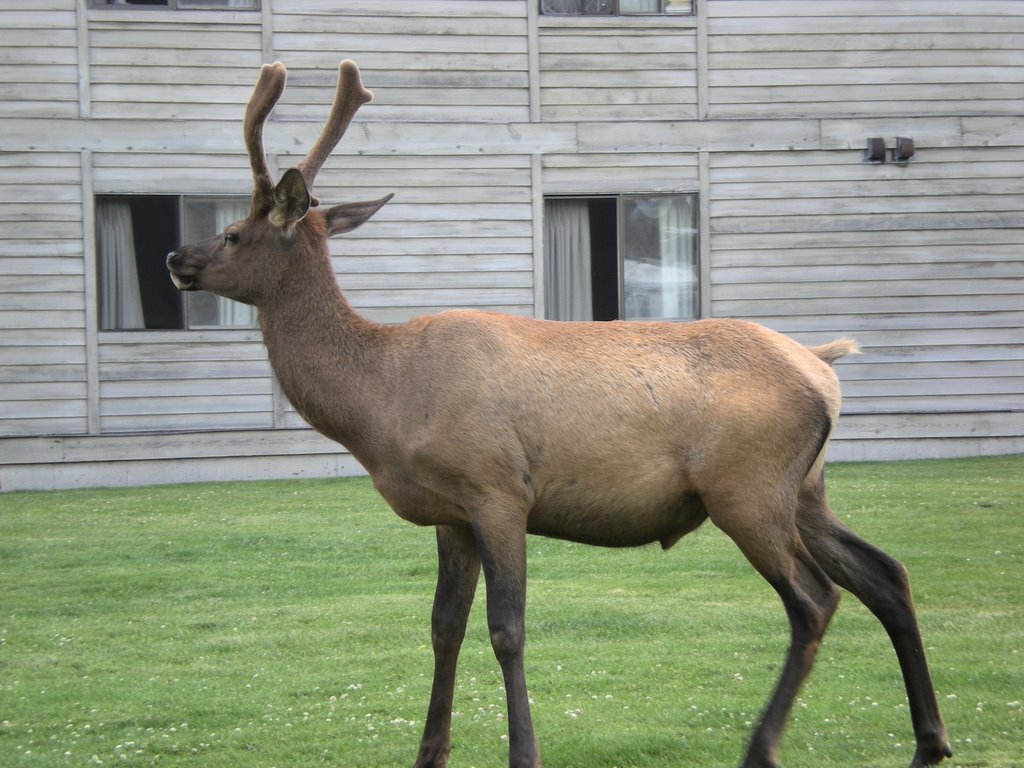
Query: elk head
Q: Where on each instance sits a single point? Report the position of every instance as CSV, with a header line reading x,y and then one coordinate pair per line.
x,y
251,257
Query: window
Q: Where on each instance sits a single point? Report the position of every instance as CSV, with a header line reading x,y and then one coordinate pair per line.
x,y
615,7
631,257
181,5
133,237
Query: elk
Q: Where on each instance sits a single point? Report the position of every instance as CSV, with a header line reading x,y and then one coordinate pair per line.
x,y
489,427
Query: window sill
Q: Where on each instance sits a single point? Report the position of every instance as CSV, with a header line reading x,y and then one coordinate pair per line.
x,y
570,23
142,14
180,336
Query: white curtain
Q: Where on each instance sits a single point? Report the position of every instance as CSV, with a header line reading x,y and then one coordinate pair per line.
x,y
232,313
120,300
567,292
678,258
660,263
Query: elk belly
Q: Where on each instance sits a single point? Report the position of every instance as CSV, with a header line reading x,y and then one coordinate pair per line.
x,y
576,515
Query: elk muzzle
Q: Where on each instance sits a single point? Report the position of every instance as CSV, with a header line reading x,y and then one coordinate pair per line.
x,y
183,275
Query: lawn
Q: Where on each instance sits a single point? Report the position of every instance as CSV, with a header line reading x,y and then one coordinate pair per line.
x,y
287,624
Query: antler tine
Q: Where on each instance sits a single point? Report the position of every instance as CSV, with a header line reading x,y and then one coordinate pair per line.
x,y
268,90
348,98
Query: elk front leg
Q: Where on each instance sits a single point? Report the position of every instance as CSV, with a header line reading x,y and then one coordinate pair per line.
x,y
502,546
458,571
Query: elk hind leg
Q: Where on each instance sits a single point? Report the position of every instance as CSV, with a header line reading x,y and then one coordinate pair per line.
x,y
768,537
880,582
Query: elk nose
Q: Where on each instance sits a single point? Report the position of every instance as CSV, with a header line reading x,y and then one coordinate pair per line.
x,y
181,276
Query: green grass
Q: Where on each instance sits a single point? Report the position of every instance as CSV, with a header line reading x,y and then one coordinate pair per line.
x,y
287,624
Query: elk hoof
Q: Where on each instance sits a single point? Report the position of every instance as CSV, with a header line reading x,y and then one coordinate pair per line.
x,y
931,754
432,756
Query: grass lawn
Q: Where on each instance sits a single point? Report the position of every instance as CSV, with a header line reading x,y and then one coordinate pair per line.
x,y
287,624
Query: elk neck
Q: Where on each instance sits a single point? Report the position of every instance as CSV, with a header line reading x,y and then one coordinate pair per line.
x,y
327,358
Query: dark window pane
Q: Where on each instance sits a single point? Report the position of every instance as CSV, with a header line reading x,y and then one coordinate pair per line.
x,y
133,237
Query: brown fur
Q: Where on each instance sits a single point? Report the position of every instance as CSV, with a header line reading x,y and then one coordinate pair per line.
x,y
489,427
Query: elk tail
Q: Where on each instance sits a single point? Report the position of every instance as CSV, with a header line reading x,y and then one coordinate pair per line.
x,y
836,349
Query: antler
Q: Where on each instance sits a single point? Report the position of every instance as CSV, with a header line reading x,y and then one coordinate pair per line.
x,y
268,90
348,98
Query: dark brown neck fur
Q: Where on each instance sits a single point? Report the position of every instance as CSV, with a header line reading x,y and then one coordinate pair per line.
x,y
324,354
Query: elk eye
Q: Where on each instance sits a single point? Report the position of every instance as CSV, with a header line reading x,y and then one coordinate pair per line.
x,y
231,238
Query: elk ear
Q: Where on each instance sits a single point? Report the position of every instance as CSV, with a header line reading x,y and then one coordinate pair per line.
x,y
345,218
291,200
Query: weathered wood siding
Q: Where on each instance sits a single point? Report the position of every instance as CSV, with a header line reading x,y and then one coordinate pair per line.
x,y
161,65
171,457
192,381
618,172
42,281
42,296
872,58
457,234
626,68
482,108
921,263
451,61
39,58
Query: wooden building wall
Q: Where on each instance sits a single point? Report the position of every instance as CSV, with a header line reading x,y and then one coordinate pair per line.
x,y
920,262
864,59
482,107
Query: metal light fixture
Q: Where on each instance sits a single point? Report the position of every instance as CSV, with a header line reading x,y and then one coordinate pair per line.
x,y
903,151
875,151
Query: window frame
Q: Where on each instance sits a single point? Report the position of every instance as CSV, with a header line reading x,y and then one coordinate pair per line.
x,y
171,5
620,245
616,12
180,201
